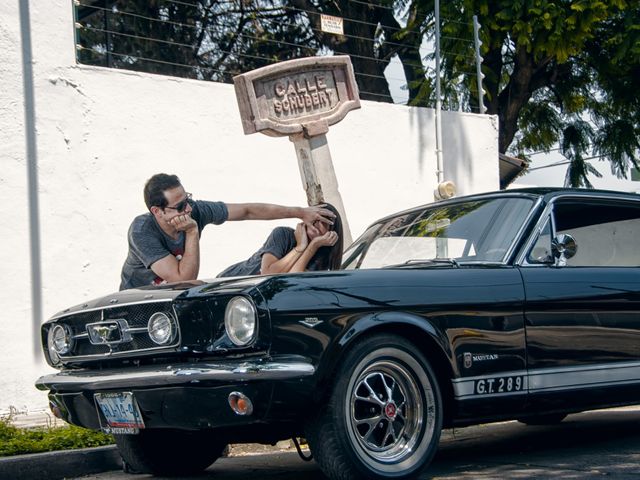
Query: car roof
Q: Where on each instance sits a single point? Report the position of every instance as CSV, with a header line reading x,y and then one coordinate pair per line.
x,y
546,193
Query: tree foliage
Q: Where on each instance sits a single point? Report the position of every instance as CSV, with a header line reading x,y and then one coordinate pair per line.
x,y
556,72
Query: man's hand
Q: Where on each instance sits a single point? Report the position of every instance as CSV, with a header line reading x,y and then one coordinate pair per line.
x,y
329,239
182,223
310,215
301,238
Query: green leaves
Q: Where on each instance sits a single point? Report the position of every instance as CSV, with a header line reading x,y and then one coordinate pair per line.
x,y
18,441
574,145
540,125
618,141
556,73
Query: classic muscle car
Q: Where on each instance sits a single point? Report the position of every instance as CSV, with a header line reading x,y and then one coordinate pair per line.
x,y
517,305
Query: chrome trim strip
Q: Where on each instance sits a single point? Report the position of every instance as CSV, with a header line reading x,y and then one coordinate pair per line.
x,y
510,373
194,373
555,379
107,307
464,387
137,330
544,380
535,233
518,238
578,368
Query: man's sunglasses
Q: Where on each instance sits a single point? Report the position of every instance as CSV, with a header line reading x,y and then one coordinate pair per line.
x,y
181,206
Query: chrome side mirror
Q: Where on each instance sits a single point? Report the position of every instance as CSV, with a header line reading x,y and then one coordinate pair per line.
x,y
563,247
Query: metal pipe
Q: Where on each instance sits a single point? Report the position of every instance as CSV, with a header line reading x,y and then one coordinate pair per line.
x,y
32,175
440,171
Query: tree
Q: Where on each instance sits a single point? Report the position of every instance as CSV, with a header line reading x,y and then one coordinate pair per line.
x,y
212,39
556,73
203,39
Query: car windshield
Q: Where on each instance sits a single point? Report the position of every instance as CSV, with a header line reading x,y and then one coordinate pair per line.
x,y
479,231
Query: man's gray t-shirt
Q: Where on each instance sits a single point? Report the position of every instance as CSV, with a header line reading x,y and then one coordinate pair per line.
x,y
280,242
148,243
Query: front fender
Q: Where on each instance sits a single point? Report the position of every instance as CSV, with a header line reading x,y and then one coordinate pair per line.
x,y
422,331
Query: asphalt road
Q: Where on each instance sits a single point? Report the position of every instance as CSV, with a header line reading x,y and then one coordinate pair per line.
x,y
593,445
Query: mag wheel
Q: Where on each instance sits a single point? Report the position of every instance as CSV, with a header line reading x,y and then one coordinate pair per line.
x,y
169,452
384,417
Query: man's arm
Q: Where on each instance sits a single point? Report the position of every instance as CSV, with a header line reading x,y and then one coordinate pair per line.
x,y
268,211
171,269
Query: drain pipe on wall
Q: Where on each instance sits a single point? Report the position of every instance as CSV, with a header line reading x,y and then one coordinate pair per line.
x,y
444,189
440,167
32,176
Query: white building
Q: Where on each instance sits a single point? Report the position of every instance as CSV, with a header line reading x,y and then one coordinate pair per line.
x,y
101,133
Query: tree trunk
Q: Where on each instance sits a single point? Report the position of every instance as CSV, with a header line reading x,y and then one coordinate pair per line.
x,y
513,97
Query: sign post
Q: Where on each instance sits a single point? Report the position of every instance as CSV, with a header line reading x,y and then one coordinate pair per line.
x,y
300,99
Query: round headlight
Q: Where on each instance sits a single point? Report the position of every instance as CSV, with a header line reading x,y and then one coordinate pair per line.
x,y
162,328
59,340
240,320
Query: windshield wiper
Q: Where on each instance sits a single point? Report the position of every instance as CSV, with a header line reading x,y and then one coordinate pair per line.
x,y
416,262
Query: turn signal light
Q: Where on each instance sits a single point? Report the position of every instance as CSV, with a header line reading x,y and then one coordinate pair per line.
x,y
240,403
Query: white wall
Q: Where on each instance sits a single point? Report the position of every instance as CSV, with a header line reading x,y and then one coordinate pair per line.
x,y
101,133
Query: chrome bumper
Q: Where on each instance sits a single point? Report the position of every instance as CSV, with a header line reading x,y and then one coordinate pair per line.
x,y
182,374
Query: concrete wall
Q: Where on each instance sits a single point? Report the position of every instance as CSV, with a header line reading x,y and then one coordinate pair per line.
x,y
101,133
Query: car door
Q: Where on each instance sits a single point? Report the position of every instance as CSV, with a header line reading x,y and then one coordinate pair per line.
x,y
582,314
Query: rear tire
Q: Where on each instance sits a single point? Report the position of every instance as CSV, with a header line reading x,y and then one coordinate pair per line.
x,y
384,417
169,452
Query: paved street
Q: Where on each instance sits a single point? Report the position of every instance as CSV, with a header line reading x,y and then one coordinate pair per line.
x,y
592,445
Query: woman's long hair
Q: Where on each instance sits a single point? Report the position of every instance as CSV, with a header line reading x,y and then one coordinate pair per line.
x,y
329,258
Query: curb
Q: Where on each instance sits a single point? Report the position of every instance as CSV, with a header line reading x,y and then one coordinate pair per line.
x,y
61,464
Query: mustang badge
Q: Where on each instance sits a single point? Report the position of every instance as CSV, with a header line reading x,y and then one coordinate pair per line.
x,y
468,360
103,333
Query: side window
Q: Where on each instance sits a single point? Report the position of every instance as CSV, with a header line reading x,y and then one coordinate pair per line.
x,y
606,232
541,251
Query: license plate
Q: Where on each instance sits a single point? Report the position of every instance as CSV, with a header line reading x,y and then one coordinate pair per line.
x,y
121,412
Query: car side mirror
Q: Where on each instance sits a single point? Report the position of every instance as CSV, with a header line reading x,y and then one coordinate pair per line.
x,y
563,247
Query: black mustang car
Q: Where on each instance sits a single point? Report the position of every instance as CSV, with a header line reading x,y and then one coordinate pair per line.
x,y
509,305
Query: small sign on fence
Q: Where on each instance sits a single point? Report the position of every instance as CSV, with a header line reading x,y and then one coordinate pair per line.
x,y
331,24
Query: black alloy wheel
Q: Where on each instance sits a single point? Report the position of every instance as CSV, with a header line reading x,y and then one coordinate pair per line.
x,y
384,417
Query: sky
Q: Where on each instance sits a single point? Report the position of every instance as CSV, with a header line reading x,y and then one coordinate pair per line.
x,y
554,176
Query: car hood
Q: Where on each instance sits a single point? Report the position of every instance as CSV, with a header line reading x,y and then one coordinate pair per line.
x,y
169,291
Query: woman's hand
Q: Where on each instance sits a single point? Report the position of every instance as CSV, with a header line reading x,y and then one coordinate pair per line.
x,y
302,240
329,239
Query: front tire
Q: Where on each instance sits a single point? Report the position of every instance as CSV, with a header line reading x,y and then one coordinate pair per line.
x,y
384,417
169,452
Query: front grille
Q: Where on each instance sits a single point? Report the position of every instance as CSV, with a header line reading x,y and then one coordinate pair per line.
x,y
136,337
